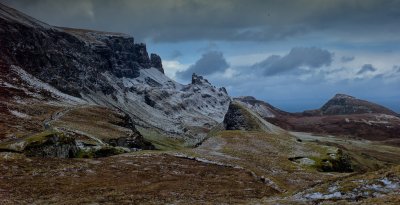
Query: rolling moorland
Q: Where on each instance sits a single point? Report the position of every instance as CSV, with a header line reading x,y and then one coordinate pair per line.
x,y
88,117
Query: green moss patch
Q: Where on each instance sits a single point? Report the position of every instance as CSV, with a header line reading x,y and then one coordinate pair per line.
x,y
161,141
340,163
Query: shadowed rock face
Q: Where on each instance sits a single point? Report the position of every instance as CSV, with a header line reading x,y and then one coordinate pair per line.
x,y
55,145
156,62
71,60
238,119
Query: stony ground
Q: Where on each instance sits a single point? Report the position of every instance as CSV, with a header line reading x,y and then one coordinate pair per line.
x,y
230,167
125,179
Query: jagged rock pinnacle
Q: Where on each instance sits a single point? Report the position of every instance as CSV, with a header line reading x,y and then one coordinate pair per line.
x,y
197,79
156,62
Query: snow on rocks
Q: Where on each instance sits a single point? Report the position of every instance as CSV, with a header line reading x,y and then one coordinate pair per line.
x,y
39,85
19,114
152,99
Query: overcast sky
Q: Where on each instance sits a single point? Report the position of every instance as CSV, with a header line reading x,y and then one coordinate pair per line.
x,y
292,54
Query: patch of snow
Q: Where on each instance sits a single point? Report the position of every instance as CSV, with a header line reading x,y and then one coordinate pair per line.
x,y
332,189
389,184
318,195
8,85
315,195
20,114
260,109
153,99
306,161
39,85
385,117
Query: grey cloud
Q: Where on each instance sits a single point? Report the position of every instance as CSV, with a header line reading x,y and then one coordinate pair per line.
x,y
175,54
293,94
234,20
346,59
396,68
308,57
211,46
210,62
366,68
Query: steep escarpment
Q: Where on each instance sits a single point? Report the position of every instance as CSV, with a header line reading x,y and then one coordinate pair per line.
x,y
71,60
76,66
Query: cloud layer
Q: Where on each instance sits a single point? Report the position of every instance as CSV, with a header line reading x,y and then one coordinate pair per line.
x,y
234,20
209,63
366,68
298,57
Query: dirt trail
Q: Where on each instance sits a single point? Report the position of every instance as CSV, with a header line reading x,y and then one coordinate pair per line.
x,y
57,115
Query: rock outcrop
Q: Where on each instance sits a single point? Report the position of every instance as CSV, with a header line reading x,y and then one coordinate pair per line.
x,y
342,104
237,118
156,62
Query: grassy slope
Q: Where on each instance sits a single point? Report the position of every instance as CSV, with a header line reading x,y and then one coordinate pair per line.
x,y
261,158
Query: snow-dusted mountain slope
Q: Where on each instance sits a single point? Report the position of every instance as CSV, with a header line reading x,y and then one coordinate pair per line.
x,y
263,109
109,69
154,100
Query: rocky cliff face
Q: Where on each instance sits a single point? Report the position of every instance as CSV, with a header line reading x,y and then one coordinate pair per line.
x,y
109,69
71,60
237,119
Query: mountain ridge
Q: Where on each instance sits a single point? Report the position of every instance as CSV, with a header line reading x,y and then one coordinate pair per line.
x,y
79,66
342,115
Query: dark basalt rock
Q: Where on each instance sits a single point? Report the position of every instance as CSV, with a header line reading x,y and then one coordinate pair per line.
x,y
156,62
199,80
56,145
141,55
223,89
135,141
72,60
237,118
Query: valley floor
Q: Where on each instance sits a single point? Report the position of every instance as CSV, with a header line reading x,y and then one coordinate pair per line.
x,y
263,166
152,178
231,167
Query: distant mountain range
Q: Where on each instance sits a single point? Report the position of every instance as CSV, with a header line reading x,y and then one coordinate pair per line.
x,y
343,115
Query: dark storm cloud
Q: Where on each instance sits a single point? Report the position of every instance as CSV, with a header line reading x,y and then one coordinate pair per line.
x,y
366,68
346,59
210,62
298,57
250,20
